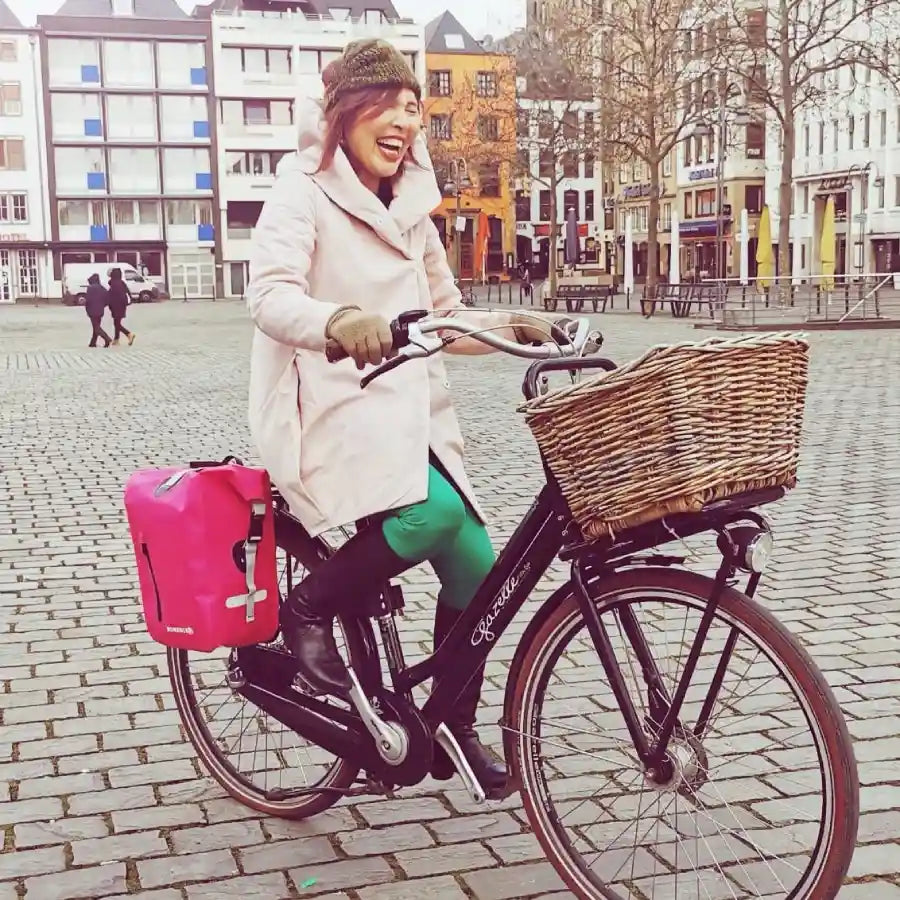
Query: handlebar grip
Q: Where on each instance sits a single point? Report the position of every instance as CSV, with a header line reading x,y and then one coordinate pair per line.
x,y
334,352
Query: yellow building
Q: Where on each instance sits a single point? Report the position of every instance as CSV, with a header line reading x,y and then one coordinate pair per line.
x,y
470,115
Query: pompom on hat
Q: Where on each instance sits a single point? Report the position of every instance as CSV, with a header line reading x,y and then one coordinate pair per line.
x,y
368,63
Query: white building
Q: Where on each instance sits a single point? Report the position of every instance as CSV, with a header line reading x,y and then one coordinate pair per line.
x,y
262,62
578,186
25,262
851,152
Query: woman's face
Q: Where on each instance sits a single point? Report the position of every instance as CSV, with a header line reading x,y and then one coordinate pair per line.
x,y
378,144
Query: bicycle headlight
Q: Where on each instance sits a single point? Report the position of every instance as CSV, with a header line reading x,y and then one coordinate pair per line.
x,y
748,546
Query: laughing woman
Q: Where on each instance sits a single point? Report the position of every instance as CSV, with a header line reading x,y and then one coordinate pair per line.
x,y
344,245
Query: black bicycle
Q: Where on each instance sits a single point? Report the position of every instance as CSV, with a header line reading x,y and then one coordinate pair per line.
x,y
668,736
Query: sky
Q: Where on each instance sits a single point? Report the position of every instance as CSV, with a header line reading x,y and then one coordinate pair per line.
x,y
504,15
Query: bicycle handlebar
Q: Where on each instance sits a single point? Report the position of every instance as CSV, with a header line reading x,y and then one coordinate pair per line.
x,y
415,337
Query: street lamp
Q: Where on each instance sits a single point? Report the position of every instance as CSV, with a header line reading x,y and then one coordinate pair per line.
x,y
739,116
459,181
863,169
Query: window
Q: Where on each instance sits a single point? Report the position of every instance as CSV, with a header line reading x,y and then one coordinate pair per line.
x,y
753,198
804,199
128,64
546,126
8,51
80,169
756,28
589,210
241,218
253,162
570,125
570,165
756,140
28,273
441,128
12,154
665,218
897,190
186,118
11,99
134,170
76,116
589,162
546,164
821,138
186,169
13,208
879,193
882,128
131,117
181,64
706,203
544,213
489,179
523,124
523,207
256,112
867,122
73,212
73,62
589,128
667,165
836,134
806,140
851,130
440,83
488,128
689,206
258,61
486,84
688,152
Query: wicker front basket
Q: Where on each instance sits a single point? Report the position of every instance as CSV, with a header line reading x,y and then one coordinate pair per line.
x,y
675,429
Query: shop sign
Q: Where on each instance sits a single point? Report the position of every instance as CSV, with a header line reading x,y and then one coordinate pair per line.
x,y
703,174
9,237
634,191
836,183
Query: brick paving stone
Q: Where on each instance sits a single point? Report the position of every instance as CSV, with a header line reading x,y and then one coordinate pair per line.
x,y
191,867
513,881
347,873
31,862
272,886
281,854
119,847
97,881
68,606
59,831
441,888
166,894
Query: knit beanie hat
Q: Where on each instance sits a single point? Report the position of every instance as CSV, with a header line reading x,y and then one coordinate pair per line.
x,y
368,63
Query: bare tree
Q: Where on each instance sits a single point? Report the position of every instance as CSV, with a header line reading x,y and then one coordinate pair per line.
x,y
646,88
556,124
797,55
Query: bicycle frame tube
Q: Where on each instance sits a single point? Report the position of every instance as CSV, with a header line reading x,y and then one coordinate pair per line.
x,y
520,566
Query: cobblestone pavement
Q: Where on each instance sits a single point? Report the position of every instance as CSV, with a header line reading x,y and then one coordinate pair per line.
x,y
104,797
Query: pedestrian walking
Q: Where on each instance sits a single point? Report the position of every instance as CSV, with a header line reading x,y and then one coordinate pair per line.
x,y
119,298
95,301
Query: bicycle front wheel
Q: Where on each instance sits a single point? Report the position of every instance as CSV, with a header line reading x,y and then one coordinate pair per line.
x,y
761,802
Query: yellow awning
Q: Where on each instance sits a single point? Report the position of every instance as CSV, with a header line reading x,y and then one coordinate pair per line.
x,y
765,258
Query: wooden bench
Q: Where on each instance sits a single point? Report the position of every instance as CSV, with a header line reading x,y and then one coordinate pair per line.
x,y
681,298
576,295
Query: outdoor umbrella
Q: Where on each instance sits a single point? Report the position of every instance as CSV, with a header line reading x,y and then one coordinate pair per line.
x,y
765,258
572,248
826,247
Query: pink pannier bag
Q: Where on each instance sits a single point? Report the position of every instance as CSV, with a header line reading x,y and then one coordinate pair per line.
x,y
204,541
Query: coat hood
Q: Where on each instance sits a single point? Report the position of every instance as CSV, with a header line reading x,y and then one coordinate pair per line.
x,y
416,191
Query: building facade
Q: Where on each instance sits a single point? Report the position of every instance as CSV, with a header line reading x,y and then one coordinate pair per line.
x,y
470,113
132,157
261,64
578,187
849,151
25,261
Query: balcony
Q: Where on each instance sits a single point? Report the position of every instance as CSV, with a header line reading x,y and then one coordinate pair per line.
x,y
250,22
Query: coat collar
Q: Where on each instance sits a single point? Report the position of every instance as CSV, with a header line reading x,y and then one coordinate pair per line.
x,y
416,192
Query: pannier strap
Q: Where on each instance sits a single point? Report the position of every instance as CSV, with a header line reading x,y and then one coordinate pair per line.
x,y
254,595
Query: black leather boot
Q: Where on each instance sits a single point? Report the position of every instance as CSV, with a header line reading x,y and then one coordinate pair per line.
x,y
490,772
359,567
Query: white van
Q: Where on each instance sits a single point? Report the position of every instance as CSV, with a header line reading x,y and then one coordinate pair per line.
x,y
75,281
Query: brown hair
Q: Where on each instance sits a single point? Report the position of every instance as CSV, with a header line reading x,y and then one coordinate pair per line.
x,y
348,108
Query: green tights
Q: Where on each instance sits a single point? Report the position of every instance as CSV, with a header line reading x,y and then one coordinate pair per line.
x,y
444,530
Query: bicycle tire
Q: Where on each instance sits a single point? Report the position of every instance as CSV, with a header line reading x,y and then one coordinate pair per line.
x,y
528,675
339,777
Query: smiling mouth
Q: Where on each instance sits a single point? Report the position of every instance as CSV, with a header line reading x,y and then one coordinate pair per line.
x,y
391,147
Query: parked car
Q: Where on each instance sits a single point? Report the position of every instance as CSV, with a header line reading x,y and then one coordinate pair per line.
x,y
75,279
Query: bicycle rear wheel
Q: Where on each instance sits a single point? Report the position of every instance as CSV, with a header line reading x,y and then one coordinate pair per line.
x,y
256,759
761,804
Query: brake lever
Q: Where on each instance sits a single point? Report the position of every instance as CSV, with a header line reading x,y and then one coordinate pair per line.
x,y
398,360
